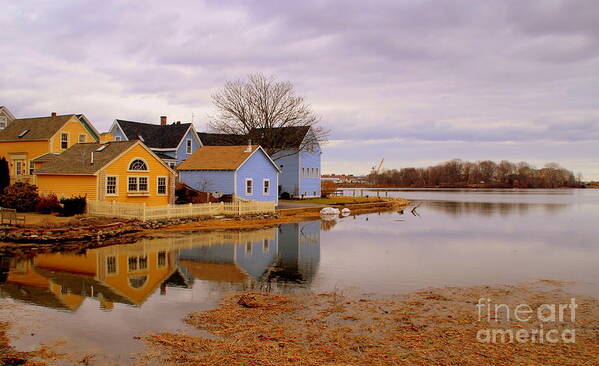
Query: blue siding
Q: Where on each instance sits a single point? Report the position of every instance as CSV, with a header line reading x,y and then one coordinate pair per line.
x,y
208,180
171,153
258,167
289,176
116,131
310,167
181,152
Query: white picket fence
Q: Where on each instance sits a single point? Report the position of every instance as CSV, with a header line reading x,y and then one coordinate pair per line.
x,y
142,212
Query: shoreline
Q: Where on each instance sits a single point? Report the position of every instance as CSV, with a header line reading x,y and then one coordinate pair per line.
x,y
93,232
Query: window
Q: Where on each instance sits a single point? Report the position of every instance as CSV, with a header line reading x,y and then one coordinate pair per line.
x,y
137,281
317,173
188,146
19,167
248,247
137,184
81,138
265,245
111,265
266,187
111,184
143,184
171,165
3,122
132,187
132,261
138,165
143,262
161,185
64,140
161,259
31,166
249,186
303,172
117,138
312,172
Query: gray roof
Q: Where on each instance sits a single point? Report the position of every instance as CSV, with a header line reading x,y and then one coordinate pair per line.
x,y
77,158
40,128
155,136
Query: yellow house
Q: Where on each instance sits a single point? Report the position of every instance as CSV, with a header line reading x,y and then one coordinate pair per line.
x,y
120,171
25,139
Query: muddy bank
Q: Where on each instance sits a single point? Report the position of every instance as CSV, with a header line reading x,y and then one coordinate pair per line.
x,y
93,232
437,326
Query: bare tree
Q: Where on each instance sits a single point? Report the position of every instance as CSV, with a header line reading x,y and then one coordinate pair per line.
x,y
258,107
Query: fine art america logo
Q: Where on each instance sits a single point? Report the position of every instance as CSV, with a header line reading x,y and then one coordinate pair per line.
x,y
545,323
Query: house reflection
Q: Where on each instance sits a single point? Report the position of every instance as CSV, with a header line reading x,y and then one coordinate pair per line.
x,y
129,274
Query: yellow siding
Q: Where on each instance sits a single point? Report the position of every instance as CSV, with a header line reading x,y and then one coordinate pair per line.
x,y
106,137
74,128
156,168
30,149
68,185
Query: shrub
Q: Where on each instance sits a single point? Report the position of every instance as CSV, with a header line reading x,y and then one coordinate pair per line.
x,y
48,204
285,196
73,206
21,196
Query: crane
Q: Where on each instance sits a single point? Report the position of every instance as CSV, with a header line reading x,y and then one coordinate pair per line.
x,y
377,168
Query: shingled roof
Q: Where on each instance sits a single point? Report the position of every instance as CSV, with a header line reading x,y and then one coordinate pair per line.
x,y
155,136
269,138
40,128
222,139
217,158
77,158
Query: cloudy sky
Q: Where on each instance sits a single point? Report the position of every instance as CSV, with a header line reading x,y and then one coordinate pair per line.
x,y
414,82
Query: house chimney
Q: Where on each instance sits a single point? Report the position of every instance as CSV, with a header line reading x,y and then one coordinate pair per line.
x,y
53,114
163,120
249,149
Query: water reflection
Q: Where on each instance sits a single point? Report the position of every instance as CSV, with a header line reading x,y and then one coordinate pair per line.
x,y
129,274
458,208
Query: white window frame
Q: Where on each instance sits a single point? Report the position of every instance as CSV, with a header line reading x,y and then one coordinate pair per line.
x,y
116,265
137,184
136,171
251,192
117,138
82,138
116,186
188,146
158,264
265,192
20,166
317,172
63,134
165,185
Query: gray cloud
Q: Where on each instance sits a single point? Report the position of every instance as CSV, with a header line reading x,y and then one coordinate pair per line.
x,y
486,73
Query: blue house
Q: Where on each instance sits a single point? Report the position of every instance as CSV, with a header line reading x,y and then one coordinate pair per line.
x,y
173,143
295,151
243,171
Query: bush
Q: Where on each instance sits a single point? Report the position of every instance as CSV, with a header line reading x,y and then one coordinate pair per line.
x,y
48,204
73,206
21,196
285,196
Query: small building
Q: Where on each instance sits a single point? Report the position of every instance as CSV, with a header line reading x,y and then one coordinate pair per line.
x,y
120,171
25,139
5,117
295,151
173,142
246,172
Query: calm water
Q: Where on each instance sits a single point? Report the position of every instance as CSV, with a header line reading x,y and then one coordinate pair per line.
x,y
102,298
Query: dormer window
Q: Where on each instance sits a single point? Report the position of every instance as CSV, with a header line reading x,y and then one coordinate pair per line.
x,y
3,122
138,165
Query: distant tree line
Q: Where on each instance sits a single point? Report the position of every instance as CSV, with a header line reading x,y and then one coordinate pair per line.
x,y
488,174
